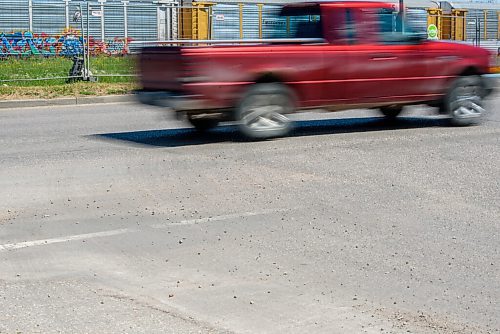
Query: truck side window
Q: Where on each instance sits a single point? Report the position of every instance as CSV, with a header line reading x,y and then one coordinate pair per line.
x,y
387,22
308,26
303,22
390,27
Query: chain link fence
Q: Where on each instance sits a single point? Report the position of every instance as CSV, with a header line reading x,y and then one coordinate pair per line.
x,y
67,40
62,41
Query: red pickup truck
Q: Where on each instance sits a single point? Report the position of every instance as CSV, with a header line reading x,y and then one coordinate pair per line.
x,y
343,55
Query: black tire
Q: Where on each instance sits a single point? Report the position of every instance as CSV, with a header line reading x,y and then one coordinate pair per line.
x,y
262,111
202,124
391,111
464,101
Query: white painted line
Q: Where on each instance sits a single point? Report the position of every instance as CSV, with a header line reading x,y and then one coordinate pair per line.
x,y
217,218
26,244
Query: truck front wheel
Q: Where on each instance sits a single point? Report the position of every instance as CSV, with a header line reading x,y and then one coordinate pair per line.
x,y
262,111
464,101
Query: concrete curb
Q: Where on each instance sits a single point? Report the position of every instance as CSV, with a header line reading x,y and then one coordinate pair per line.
x,y
67,101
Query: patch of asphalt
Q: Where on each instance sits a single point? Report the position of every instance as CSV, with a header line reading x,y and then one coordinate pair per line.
x,y
32,308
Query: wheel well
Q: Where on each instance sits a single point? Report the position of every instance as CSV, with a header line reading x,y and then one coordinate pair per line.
x,y
273,78
268,78
471,70
468,71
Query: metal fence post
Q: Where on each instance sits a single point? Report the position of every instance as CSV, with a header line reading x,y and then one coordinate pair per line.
x,y
168,22
259,5
210,30
478,31
66,12
85,52
102,19
464,26
88,38
241,19
125,19
440,26
485,12
160,19
498,27
175,21
30,14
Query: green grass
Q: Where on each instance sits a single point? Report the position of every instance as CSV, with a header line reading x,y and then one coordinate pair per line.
x,y
103,66
38,67
65,90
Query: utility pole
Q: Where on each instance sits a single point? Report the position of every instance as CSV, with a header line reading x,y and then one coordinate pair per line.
x,y
402,15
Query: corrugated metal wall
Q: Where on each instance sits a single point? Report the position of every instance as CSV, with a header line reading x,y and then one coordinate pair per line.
x,y
472,15
14,15
225,22
114,21
142,21
417,18
251,21
491,24
273,26
49,16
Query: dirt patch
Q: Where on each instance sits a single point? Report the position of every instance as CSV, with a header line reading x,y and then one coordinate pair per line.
x,y
421,322
6,217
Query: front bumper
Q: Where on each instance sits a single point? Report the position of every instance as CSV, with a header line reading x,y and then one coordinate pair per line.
x,y
172,100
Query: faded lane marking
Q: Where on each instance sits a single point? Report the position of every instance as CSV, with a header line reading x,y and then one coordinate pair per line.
x,y
33,243
217,218
26,244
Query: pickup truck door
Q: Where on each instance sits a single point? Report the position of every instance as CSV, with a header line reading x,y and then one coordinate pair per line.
x,y
335,75
383,70
386,73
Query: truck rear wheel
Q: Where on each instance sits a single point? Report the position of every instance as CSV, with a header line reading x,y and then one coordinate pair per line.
x,y
202,123
464,101
391,112
261,113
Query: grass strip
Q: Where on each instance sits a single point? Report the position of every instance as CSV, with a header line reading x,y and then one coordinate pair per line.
x,y
66,90
14,70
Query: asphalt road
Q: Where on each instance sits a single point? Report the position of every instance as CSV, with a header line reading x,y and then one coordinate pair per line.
x,y
116,219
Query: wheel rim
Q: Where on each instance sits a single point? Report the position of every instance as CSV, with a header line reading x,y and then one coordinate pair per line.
x,y
265,113
467,102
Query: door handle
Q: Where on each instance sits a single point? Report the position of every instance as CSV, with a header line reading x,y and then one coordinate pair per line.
x,y
383,56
